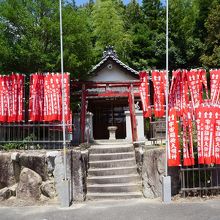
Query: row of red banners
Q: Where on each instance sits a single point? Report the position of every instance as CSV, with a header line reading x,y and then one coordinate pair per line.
x,y
46,97
188,89
159,83
189,100
208,136
45,102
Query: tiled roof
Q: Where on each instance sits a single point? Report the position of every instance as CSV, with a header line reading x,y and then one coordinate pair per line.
x,y
110,53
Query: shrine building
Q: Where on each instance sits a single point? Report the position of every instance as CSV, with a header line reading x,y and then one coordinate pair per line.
x,y
109,99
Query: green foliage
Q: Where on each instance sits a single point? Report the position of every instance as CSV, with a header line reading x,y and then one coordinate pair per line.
x,y
211,58
30,40
109,27
21,145
11,146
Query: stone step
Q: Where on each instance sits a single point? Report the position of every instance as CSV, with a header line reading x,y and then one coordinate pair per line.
x,y
114,188
128,195
113,179
111,156
102,149
112,171
112,163
111,142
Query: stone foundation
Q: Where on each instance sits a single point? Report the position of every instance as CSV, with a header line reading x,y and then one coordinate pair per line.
x,y
151,167
18,171
30,174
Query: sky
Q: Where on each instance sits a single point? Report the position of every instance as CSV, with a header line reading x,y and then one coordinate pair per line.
x,y
80,2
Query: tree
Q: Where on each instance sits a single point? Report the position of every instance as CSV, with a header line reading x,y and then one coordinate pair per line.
x,y
31,40
30,29
109,28
211,58
78,48
185,45
147,25
153,12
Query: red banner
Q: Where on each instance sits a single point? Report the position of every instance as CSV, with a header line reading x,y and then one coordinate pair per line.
x,y
203,79
36,100
53,94
188,155
195,86
175,96
205,119
158,79
215,86
173,140
144,94
67,96
12,98
216,158
3,99
185,92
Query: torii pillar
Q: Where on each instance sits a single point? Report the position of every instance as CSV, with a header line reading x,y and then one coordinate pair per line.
x,y
132,113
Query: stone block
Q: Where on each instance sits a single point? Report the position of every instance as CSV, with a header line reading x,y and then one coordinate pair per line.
x,y
153,171
78,176
15,156
7,172
36,161
59,172
76,173
50,158
13,189
48,189
5,193
29,185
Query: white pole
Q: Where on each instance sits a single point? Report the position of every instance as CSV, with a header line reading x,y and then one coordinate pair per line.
x,y
63,93
167,84
166,186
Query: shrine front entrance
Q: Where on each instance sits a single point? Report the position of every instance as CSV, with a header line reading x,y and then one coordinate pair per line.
x,y
108,112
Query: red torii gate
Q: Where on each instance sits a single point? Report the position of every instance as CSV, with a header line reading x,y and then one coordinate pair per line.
x,y
130,94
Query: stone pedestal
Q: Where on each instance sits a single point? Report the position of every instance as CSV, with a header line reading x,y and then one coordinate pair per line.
x,y
140,125
112,131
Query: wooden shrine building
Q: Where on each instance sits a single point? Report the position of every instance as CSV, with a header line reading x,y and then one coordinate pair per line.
x,y
110,92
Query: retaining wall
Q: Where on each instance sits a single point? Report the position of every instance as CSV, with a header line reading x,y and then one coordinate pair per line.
x,y
30,174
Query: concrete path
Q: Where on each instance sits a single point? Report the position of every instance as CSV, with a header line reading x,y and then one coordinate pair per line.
x,y
136,209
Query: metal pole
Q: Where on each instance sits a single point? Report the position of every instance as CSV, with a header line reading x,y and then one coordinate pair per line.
x,y
63,94
166,180
167,84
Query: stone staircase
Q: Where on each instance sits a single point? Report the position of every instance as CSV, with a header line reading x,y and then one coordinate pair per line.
x,y
113,172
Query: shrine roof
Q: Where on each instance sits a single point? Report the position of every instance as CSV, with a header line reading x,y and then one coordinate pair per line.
x,y
110,54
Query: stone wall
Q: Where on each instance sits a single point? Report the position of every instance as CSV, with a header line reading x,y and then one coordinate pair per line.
x,y
30,174
76,172
151,167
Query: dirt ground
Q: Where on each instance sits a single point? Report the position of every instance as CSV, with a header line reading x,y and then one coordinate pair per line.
x,y
14,202
44,201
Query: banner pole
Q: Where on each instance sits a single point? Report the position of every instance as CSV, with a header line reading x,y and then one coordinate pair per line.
x,y
65,191
166,181
63,98
167,83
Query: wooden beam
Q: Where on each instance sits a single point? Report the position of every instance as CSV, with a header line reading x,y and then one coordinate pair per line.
x,y
93,85
108,94
132,113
